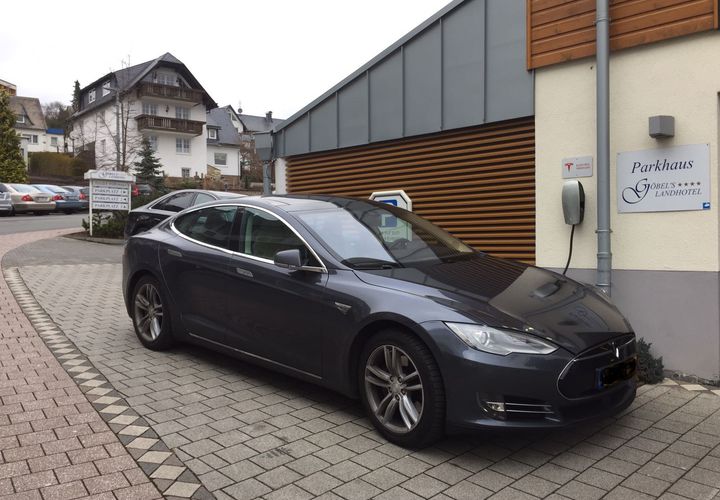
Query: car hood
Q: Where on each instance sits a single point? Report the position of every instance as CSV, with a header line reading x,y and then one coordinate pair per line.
x,y
509,294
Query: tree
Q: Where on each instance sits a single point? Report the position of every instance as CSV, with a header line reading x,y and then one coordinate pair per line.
x,y
76,97
98,132
12,166
57,114
148,167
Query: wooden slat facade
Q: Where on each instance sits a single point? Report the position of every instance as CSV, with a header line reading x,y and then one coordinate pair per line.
x,y
478,183
564,30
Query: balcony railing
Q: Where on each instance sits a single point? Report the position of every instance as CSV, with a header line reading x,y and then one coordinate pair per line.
x,y
170,92
169,124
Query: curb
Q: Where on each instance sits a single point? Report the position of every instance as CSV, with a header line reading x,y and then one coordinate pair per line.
x,y
103,241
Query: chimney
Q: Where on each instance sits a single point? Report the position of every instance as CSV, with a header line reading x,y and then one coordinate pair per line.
x,y
268,116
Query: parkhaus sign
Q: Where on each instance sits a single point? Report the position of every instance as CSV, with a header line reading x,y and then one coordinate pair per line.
x,y
664,180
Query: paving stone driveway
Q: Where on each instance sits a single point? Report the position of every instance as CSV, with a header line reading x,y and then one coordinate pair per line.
x,y
247,432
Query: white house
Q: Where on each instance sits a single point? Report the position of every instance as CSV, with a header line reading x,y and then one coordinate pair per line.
x,y
229,139
29,124
159,100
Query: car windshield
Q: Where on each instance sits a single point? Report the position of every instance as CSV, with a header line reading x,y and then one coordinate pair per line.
x,y
23,188
366,236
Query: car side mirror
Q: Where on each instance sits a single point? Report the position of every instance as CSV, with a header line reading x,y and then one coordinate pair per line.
x,y
289,259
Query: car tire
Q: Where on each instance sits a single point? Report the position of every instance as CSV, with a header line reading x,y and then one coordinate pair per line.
x,y
150,311
405,403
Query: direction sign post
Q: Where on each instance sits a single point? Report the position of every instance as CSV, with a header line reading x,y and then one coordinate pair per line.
x,y
109,190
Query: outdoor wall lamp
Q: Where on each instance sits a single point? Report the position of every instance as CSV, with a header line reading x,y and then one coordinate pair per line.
x,y
661,126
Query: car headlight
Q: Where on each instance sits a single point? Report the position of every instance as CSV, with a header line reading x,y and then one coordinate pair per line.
x,y
502,342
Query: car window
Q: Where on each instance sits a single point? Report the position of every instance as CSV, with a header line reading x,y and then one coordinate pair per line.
x,y
203,198
24,188
209,225
176,203
264,235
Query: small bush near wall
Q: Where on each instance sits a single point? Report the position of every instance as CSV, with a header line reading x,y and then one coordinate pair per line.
x,y
650,369
57,165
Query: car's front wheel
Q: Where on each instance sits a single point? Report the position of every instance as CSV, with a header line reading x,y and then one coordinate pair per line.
x,y
151,314
402,389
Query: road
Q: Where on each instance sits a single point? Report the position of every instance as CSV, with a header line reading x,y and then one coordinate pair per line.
x,y
27,223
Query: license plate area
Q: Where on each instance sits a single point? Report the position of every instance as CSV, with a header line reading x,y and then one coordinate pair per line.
x,y
610,375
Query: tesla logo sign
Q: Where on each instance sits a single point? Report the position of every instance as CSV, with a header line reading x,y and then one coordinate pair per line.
x,y
578,166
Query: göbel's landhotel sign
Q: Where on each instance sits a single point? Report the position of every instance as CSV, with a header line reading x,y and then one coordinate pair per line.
x,y
664,180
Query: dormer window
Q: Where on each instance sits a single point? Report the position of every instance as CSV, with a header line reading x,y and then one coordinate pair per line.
x,y
91,96
21,118
106,88
212,133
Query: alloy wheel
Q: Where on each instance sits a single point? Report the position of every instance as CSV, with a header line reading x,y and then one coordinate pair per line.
x,y
394,389
148,312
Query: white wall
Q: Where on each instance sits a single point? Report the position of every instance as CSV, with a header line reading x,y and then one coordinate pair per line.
x,y
42,143
280,176
233,162
681,78
95,126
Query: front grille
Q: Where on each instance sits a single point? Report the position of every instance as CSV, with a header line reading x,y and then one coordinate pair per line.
x,y
592,371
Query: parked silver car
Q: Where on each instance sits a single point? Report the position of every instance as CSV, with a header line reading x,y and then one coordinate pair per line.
x,y
5,203
28,199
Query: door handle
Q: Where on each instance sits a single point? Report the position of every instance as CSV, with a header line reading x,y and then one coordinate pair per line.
x,y
174,253
244,272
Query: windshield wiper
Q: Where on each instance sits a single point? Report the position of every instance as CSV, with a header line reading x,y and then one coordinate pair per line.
x,y
458,256
370,263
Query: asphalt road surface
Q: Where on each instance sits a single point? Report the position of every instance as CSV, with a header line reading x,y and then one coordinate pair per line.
x,y
27,223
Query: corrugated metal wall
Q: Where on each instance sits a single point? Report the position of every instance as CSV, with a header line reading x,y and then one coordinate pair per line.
x,y
563,30
477,183
462,68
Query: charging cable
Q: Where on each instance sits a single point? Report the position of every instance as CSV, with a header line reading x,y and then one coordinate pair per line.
x,y
572,234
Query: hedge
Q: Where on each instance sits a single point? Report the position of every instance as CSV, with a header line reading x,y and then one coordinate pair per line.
x,y
57,165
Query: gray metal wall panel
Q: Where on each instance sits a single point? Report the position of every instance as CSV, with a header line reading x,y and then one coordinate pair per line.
x,y
423,83
323,126
509,86
353,113
279,144
296,137
464,66
386,99
469,72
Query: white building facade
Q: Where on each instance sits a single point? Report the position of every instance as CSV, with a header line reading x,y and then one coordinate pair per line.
x,y
161,101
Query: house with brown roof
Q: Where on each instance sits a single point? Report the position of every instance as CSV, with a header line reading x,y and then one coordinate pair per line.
x,y
8,87
30,124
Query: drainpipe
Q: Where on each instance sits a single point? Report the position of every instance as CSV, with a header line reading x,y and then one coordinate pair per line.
x,y
604,256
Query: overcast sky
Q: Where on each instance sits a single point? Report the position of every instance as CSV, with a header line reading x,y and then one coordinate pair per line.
x,y
268,55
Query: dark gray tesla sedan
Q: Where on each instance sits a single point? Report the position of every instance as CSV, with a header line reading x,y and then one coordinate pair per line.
x,y
376,302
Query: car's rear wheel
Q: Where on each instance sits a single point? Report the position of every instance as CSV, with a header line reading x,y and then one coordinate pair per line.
x,y
402,389
151,314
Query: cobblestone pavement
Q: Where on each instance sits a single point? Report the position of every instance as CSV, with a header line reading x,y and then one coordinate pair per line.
x,y
247,432
53,444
